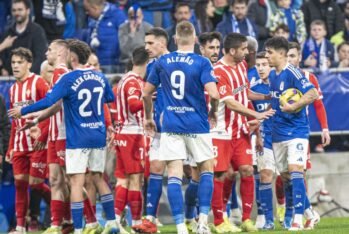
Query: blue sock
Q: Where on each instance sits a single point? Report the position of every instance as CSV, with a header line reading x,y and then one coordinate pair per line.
x,y
107,201
154,193
306,203
175,198
191,199
234,197
205,192
288,199
257,194
266,200
77,211
298,192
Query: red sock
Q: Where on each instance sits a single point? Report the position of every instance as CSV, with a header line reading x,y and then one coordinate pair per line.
x,y
94,209
89,214
120,199
279,190
57,211
247,194
135,202
21,201
227,187
44,191
67,211
217,202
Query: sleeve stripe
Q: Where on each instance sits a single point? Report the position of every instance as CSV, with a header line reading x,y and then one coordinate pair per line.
x,y
295,72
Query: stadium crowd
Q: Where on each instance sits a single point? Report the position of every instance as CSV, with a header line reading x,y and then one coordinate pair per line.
x,y
53,45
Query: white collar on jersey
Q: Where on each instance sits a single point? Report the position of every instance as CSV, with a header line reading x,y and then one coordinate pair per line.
x,y
184,52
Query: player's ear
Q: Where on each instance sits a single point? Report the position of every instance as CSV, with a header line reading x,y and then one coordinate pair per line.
x,y
232,51
175,39
201,49
29,65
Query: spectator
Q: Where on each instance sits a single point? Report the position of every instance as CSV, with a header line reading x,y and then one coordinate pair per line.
x,y
292,18
157,13
204,11
5,13
325,10
104,22
343,55
132,33
93,62
70,26
50,16
4,131
221,10
261,12
238,21
182,13
343,35
28,35
282,30
318,51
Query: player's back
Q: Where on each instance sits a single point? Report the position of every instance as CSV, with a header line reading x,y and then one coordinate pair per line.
x,y
183,76
83,103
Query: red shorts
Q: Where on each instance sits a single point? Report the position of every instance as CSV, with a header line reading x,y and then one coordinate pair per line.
x,y
130,152
148,141
241,153
308,163
222,154
30,163
56,152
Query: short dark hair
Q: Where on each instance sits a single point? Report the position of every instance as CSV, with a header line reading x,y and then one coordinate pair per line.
x,y
81,49
233,2
158,32
233,41
294,45
318,22
283,27
23,53
261,55
140,56
342,44
277,43
208,37
27,3
181,4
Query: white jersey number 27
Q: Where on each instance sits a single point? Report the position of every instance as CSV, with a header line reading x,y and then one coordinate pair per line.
x,y
85,94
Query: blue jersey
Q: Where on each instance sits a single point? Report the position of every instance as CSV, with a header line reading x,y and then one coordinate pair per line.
x,y
262,105
84,93
158,104
252,75
287,126
183,77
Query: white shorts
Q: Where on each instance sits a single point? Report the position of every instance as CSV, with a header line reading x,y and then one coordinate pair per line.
x,y
78,160
177,146
254,153
266,160
291,152
154,151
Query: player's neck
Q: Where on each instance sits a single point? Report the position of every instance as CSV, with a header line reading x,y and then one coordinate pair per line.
x,y
280,67
229,61
186,48
139,70
24,78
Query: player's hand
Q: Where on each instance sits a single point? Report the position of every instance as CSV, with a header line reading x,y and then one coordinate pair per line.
x,y
29,123
259,144
39,145
149,127
325,137
212,117
9,157
110,137
253,125
154,96
15,112
265,115
288,108
267,97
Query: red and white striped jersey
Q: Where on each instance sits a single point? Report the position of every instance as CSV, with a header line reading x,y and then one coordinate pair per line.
x,y
23,94
129,88
232,83
312,78
57,125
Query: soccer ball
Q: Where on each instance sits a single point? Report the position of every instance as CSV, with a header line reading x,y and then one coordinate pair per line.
x,y
290,96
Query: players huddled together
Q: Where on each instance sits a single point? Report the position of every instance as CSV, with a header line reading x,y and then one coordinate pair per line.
x,y
201,116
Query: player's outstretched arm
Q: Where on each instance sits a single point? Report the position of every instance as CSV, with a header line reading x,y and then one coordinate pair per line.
x,y
309,97
257,96
149,124
241,109
211,89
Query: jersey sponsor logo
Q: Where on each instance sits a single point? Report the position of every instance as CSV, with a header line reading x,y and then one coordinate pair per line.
x,y
180,109
275,94
305,83
39,165
120,143
23,103
282,85
182,134
262,106
131,91
92,125
223,89
239,89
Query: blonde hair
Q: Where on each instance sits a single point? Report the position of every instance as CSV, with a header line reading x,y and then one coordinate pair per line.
x,y
185,33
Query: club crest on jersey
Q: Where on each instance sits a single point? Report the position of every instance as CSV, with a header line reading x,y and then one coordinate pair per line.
x,y
131,91
282,84
223,89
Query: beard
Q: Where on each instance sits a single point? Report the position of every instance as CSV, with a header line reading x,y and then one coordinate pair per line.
x,y
21,19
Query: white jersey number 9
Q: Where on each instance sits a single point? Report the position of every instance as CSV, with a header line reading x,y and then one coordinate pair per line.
x,y
85,94
178,84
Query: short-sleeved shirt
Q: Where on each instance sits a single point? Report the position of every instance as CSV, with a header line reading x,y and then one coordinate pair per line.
x,y
183,76
287,126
